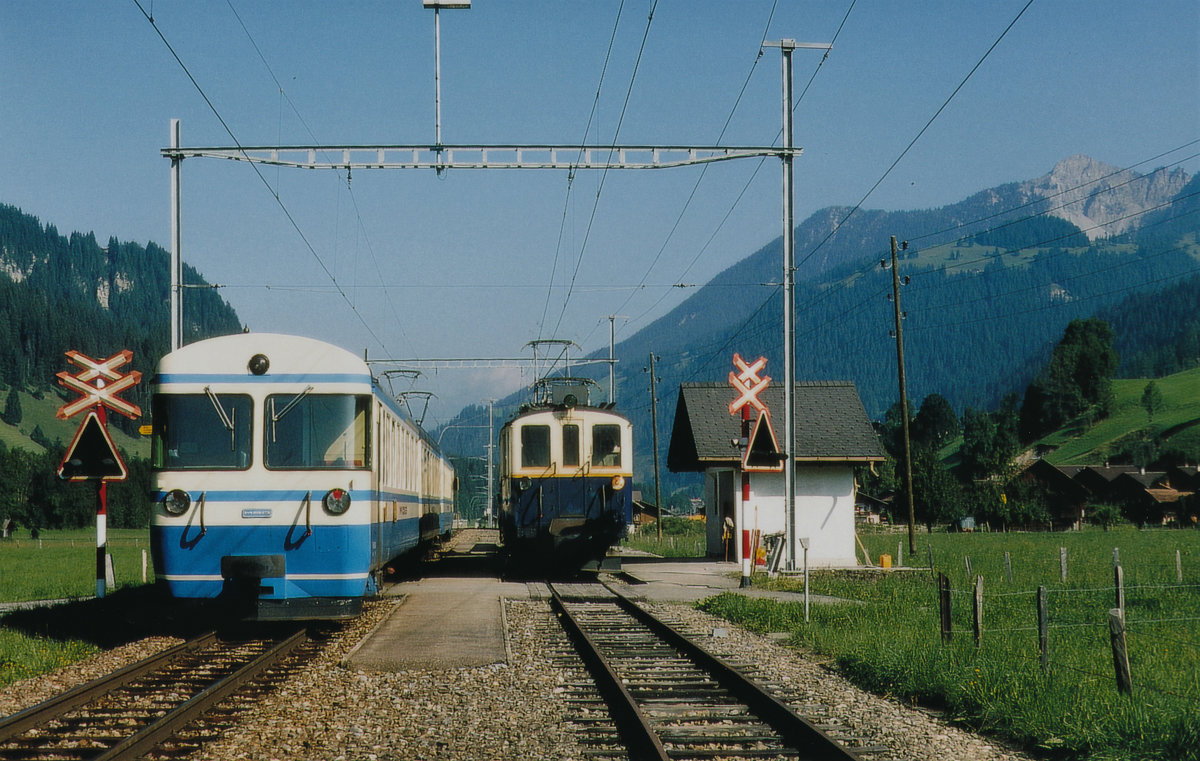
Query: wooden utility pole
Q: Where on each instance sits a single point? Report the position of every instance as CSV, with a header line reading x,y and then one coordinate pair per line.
x,y
912,518
654,426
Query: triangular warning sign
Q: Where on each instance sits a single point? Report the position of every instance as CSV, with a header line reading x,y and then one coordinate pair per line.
x,y
762,452
92,456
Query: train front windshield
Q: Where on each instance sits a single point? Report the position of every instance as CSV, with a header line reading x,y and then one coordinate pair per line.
x,y
201,431
304,431
314,431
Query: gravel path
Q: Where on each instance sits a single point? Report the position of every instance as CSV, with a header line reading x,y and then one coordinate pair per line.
x,y
503,711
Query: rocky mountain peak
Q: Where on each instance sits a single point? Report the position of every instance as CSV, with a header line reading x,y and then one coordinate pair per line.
x,y
1104,200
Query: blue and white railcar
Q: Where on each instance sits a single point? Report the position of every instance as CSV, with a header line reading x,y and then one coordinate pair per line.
x,y
285,479
566,484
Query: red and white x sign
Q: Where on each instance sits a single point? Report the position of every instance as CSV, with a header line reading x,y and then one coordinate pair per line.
x,y
748,384
99,383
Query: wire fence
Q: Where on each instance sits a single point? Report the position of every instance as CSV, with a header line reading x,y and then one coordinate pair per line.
x,y
1071,629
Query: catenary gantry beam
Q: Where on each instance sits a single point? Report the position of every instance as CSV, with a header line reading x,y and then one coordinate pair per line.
x,y
568,157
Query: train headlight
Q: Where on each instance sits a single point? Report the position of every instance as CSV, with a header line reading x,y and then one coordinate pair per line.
x,y
176,502
525,483
259,364
618,483
337,501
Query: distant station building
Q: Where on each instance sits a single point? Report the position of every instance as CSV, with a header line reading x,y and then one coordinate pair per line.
x,y
833,437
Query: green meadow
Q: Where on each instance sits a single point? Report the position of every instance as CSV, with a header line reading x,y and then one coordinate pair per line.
x,y
61,565
887,638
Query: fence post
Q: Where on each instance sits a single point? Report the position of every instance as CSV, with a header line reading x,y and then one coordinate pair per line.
x,y
1062,562
1119,583
978,611
929,549
967,562
1008,568
1116,629
944,606
899,554
1116,556
144,566
1178,568
1043,627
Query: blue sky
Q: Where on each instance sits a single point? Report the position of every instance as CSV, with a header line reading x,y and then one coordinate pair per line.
x,y
460,265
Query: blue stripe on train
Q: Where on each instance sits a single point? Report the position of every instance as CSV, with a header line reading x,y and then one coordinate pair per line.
x,y
329,551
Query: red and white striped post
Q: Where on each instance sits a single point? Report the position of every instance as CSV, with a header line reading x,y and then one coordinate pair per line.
x,y
101,516
747,560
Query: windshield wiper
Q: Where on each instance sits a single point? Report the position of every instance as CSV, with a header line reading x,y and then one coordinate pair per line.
x,y
277,416
227,419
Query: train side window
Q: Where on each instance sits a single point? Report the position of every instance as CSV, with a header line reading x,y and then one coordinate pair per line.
x,y
570,444
606,446
535,446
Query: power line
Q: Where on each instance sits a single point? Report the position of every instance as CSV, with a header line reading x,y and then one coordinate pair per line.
x,y
917,137
604,174
287,213
571,175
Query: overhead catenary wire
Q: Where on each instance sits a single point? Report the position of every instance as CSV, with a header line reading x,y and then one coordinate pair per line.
x,y
758,167
571,175
360,223
279,201
604,174
903,153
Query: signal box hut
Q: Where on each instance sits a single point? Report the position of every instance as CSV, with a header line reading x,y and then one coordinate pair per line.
x,y
833,436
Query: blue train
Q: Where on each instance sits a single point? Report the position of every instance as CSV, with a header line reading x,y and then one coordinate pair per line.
x,y
566,482
285,480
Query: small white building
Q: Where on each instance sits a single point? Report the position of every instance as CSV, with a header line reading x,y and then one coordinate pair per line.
x,y
833,437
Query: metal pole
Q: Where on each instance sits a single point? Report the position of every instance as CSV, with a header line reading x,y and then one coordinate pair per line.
x,y
437,76
612,387
912,538
789,329
789,282
176,242
491,456
654,425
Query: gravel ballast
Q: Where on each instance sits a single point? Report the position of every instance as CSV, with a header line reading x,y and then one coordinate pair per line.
x,y
509,710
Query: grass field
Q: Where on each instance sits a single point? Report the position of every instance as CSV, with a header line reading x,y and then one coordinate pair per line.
x,y
1070,710
57,565
681,539
62,564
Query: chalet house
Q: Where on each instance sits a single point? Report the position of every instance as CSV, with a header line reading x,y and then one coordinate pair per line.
x,y
833,437
1097,479
1067,496
1148,497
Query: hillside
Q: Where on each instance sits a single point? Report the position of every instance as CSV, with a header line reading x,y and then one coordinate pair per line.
x,y
1175,427
995,279
60,293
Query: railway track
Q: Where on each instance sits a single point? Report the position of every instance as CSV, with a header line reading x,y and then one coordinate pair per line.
x,y
163,706
669,698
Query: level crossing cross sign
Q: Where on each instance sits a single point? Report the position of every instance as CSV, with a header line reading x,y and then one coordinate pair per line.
x,y
748,384
99,383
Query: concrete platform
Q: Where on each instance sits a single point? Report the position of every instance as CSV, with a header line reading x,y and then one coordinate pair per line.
x,y
442,623
454,617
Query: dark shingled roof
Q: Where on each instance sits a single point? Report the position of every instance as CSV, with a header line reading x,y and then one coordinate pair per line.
x,y
831,425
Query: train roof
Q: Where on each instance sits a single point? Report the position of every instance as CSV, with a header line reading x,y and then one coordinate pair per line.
x,y
531,410
291,359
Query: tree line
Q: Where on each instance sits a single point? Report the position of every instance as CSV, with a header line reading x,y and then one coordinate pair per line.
x,y
980,478
67,292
